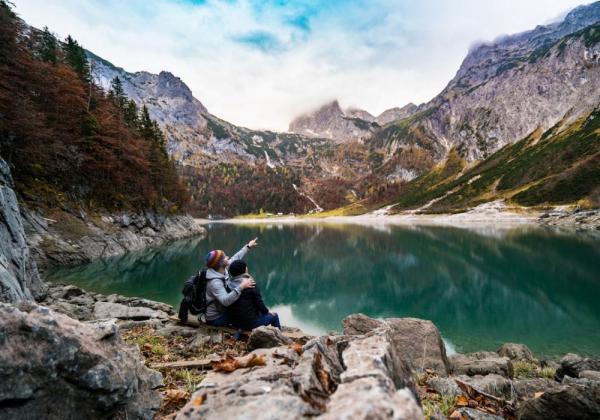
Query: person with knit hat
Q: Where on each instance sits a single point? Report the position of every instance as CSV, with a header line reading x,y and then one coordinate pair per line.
x,y
218,295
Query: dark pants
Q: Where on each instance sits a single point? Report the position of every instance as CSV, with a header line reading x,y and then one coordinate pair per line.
x,y
222,321
267,319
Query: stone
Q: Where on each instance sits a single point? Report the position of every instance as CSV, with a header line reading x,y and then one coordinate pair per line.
x,y
266,337
420,343
481,363
492,384
444,386
528,388
468,413
19,278
116,310
516,352
572,364
376,355
81,313
357,324
54,367
372,398
577,399
334,377
199,343
71,291
590,374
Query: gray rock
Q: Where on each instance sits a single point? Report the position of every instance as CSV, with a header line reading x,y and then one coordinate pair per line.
x,y
572,364
516,352
577,399
335,377
199,343
54,367
357,324
372,398
54,245
266,337
116,310
527,388
493,384
79,312
590,374
444,386
473,414
19,278
420,343
481,363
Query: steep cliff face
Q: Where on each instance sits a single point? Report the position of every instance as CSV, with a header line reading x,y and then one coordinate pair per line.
x,y
506,90
19,278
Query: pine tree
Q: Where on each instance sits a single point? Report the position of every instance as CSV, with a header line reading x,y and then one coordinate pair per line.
x,y
146,124
117,94
76,58
48,47
130,114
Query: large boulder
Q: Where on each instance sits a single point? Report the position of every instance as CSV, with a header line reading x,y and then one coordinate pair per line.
x,y
418,340
577,399
516,351
528,388
54,367
19,278
420,344
266,337
334,377
572,365
358,324
481,363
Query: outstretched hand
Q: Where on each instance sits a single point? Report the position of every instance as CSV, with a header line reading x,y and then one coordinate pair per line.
x,y
253,243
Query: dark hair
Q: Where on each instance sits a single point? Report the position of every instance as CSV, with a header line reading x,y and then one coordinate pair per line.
x,y
237,267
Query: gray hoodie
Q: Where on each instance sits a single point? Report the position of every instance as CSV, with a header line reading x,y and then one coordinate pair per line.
x,y
217,298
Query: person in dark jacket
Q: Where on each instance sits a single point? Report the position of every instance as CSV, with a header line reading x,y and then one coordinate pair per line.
x,y
249,310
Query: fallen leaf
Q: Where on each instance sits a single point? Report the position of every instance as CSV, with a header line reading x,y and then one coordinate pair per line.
x,y
538,394
455,415
229,364
473,404
198,400
462,401
297,348
176,395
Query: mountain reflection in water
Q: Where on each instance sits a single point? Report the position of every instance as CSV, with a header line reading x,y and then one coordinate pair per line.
x,y
481,287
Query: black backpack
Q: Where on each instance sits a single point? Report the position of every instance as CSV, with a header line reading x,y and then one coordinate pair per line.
x,y
194,296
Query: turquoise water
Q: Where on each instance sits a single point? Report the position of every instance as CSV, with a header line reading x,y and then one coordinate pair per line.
x,y
480,287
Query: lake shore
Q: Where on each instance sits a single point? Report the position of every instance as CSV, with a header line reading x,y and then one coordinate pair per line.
x,y
206,372
489,214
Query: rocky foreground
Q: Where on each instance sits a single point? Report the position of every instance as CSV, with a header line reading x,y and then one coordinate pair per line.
x,y
392,368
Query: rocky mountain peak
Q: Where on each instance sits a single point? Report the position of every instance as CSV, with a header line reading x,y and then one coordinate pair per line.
x,y
329,121
394,114
359,113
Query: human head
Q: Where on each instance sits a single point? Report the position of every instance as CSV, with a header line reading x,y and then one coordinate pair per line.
x,y
216,259
237,268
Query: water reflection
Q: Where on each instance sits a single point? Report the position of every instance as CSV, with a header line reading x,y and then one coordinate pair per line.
x,y
523,285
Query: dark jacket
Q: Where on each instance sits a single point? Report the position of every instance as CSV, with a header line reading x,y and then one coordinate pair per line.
x,y
244,312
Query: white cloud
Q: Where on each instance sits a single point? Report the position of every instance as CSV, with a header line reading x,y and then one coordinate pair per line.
x,y
373,55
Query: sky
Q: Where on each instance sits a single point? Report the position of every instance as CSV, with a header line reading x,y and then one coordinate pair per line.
x,y
259,64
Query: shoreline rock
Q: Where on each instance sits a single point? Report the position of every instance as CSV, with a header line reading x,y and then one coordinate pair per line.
x,y
19,277
62,239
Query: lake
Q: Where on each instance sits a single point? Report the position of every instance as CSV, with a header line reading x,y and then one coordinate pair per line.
x,y
481,287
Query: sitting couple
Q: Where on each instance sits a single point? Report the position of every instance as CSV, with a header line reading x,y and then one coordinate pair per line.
x,y
232,296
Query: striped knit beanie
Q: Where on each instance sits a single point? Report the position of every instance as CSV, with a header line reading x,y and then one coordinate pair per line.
x,y
214,258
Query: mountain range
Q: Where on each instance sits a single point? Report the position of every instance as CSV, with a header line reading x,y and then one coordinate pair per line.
x,y
518,87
